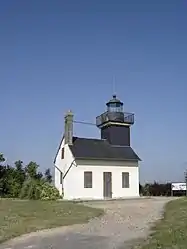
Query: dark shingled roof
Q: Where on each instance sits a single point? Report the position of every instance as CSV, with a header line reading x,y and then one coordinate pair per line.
x,y
88,148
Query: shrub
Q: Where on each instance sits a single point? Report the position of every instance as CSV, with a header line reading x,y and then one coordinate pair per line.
x,y
49,192
38,190
25,189
34,190
31,190
14,189
12,179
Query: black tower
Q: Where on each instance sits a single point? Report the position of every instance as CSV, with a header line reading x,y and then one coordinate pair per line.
x,y
115,124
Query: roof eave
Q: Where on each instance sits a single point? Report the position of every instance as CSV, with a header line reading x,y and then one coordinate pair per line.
x,y
58,149
107,159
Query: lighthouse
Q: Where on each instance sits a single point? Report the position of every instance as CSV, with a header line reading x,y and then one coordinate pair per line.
x,y
115,123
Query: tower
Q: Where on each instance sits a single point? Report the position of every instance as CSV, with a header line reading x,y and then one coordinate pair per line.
x,y
115,124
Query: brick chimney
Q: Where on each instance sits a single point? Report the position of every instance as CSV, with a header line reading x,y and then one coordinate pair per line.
x,y
68,128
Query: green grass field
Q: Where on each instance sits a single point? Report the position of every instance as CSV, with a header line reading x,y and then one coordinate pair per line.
x,y
19,217
171,231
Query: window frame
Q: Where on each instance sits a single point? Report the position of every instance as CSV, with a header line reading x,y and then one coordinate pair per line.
x,y
124,184
88,175
61,177
62,153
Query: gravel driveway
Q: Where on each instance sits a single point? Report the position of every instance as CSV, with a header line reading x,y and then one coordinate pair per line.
x,y
124,220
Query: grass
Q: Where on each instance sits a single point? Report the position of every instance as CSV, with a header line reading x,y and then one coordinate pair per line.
x,y
20,217
171,231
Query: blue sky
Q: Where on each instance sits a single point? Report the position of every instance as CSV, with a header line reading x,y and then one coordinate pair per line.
x,y
58,55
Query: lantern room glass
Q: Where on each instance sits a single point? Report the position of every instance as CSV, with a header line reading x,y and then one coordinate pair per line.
x,y
115,107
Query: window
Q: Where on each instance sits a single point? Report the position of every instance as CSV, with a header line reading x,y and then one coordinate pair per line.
x,y
61,177
125,180
87,179
62,153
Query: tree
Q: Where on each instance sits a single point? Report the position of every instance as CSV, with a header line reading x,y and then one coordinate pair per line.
x,y
31,170
20,172
39,176
2,177
185,177
48,176
140,189
2,159
26,182
16,179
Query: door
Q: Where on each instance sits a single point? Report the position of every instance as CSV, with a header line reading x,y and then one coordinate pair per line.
x,y
107,184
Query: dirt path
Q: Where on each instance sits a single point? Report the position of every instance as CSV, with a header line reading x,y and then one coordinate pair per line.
x,y
124,221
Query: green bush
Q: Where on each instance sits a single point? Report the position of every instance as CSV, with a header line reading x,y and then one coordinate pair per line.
x,y
14,189
31,190
38,190
25,189
49,192
12,179
34,190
